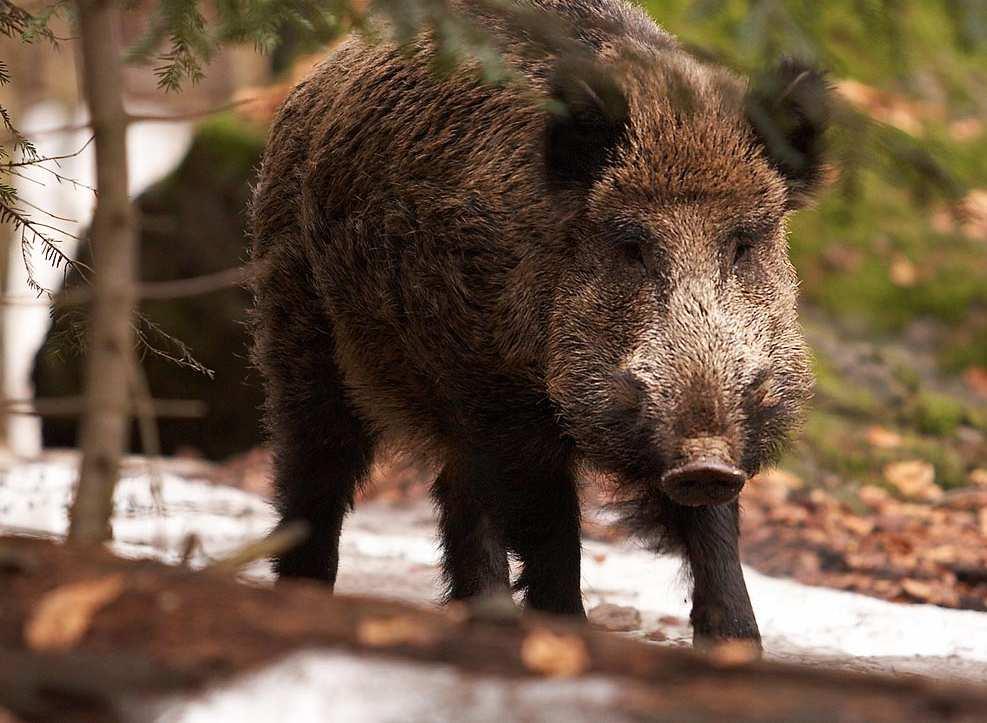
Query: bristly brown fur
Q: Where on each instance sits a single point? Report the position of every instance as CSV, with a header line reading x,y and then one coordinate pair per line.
x,y
508,290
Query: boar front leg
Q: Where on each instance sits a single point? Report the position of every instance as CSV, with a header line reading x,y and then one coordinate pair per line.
x,y
539,510
721,607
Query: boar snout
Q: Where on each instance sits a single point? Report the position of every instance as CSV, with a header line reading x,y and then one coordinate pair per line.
x,y
705,476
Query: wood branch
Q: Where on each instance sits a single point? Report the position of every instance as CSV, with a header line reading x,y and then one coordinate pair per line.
x,y
114,242
75,406
143,118
180,628
149,290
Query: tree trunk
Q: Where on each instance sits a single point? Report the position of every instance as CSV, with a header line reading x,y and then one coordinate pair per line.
x,y
6,241
114,243
81,629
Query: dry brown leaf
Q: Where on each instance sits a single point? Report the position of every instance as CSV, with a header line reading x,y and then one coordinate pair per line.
x,y
966,129
553,654
671,621
976,379
883,438
734,652
64,615
902,272
617,618
873,496
914,478
917,589
780,477
397,630
858,525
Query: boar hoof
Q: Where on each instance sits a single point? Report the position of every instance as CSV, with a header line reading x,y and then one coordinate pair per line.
x,y
711,629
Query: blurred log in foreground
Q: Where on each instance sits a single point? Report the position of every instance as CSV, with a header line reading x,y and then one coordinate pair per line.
x,y
87,636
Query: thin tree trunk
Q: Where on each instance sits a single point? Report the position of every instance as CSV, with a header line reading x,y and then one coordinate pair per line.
x,y
6,238
114,240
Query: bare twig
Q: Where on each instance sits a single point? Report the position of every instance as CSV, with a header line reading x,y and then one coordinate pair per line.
x,y
147,424
45,159
281,539
74,407
156,290
142,118
47,213
195,286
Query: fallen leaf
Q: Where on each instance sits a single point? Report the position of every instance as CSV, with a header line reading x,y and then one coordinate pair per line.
x,y
883,437
914,478
64,615
859,526
553,654
617,618
873,496
397,630
671,621
734,652
902,272
975,378
780,477
966,129
920,590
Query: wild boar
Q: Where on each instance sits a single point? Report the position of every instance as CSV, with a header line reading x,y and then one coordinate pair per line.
x,y
513,290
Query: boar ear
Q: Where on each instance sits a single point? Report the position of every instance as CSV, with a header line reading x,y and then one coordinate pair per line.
x,y
789,108
587,122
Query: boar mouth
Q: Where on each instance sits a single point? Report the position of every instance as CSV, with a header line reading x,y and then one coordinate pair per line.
x,y
701,482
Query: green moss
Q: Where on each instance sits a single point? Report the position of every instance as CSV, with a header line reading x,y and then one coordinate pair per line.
x,y
967,347
936,414
831,444
224,146
835,393
948,463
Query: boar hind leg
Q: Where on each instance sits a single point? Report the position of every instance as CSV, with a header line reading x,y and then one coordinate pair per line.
x,y
322,451
319,461
474,559
721,608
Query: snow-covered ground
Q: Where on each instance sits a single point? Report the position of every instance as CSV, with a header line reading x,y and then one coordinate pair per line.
x,y
389,551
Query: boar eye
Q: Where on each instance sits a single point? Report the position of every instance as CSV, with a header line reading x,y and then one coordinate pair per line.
x,y
743,242
632,251
629,244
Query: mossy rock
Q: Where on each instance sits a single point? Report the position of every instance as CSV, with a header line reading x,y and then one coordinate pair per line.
x,y
192,223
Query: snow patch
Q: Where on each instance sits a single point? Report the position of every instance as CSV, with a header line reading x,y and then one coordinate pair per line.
x,y
322,685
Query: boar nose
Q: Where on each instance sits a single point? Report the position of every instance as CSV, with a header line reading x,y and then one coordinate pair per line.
x,y
705,477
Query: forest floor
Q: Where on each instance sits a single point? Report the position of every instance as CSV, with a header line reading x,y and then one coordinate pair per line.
x,y
176,511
